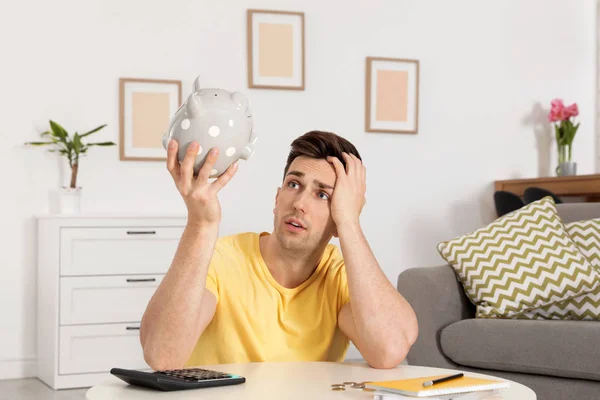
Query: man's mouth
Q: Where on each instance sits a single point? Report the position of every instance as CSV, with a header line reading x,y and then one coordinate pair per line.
x,y
295,223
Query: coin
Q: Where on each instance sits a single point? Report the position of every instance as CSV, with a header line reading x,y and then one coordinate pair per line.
x,y
338,388
349,383
358,386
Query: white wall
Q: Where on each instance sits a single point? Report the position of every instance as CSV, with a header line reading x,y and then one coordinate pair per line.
x,y
597,86
486,67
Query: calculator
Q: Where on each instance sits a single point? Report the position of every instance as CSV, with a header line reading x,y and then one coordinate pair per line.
x,y
177,379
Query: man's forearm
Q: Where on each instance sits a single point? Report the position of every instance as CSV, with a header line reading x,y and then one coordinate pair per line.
x,y
384,321
169,327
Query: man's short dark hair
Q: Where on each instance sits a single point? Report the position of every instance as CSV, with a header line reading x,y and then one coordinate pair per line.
x,y
320,145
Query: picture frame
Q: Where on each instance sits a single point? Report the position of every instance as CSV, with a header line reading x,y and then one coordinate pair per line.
x,y
392,95
275,49
145,109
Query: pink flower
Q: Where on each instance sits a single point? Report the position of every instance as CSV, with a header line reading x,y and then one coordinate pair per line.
x,y
557,112
572,111
557,104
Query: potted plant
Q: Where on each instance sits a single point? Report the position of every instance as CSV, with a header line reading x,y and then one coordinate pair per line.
x,y
565,130
71,147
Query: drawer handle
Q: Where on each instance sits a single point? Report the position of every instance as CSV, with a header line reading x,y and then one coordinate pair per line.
x,y
133,328
141,232
141,280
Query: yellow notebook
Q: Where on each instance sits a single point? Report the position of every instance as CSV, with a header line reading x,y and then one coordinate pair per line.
x,y
414,387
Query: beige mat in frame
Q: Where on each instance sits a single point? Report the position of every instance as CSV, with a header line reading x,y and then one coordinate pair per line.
x,y
145,108
392,95
275,49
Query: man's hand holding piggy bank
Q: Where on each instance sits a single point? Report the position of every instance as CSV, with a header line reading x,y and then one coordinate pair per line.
x,y
207,136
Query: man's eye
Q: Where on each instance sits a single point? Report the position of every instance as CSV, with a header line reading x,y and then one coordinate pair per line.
x,y
324,195
292,184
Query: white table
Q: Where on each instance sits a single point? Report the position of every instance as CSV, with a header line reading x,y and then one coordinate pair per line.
x,y
290,381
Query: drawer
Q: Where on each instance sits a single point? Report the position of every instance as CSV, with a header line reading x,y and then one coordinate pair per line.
x,y
108,251
105,299
98,348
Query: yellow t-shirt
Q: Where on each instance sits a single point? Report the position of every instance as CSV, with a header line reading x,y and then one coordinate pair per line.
x,y
257,319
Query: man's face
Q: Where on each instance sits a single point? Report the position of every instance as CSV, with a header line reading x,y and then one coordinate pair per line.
x,y
302,206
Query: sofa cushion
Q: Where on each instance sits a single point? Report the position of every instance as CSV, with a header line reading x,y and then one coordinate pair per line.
x,y
548,347
522,261
586,235
571,212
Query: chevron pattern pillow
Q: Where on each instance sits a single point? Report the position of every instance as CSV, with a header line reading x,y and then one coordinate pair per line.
x,y
522,261
586,235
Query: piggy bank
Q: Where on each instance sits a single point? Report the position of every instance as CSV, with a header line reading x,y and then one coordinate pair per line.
x,y
213,118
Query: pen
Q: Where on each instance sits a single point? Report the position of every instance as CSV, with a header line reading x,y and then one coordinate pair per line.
x,y
444,379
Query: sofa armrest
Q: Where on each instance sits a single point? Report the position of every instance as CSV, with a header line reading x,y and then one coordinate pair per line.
x,y
439,300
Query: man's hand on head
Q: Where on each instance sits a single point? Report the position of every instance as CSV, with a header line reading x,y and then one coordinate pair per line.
x,y
383,327
348,196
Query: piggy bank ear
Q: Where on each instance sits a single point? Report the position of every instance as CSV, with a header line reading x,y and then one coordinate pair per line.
x,y
197,87
194,105
239,100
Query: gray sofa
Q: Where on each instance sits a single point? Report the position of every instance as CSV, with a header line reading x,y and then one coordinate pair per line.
x,y
556,359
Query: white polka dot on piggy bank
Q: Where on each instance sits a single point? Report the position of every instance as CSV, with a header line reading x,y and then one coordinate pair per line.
x,y
213,118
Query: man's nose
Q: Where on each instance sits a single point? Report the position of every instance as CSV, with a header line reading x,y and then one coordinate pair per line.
x,y
300,201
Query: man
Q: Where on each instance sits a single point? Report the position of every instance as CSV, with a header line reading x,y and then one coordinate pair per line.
x,y
285,296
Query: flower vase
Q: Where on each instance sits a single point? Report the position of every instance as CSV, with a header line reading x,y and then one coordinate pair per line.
x,y
69,201
566,167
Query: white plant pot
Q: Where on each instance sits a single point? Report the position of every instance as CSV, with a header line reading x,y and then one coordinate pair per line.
x,y
69,200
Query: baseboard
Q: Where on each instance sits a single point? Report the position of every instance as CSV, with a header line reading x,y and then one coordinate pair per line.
x,y
18,369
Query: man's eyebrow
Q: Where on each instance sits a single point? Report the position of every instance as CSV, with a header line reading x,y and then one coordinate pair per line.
x,y
297,173
319,183
323,185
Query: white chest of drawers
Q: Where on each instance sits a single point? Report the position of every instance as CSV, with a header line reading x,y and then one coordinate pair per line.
x,y
96,275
